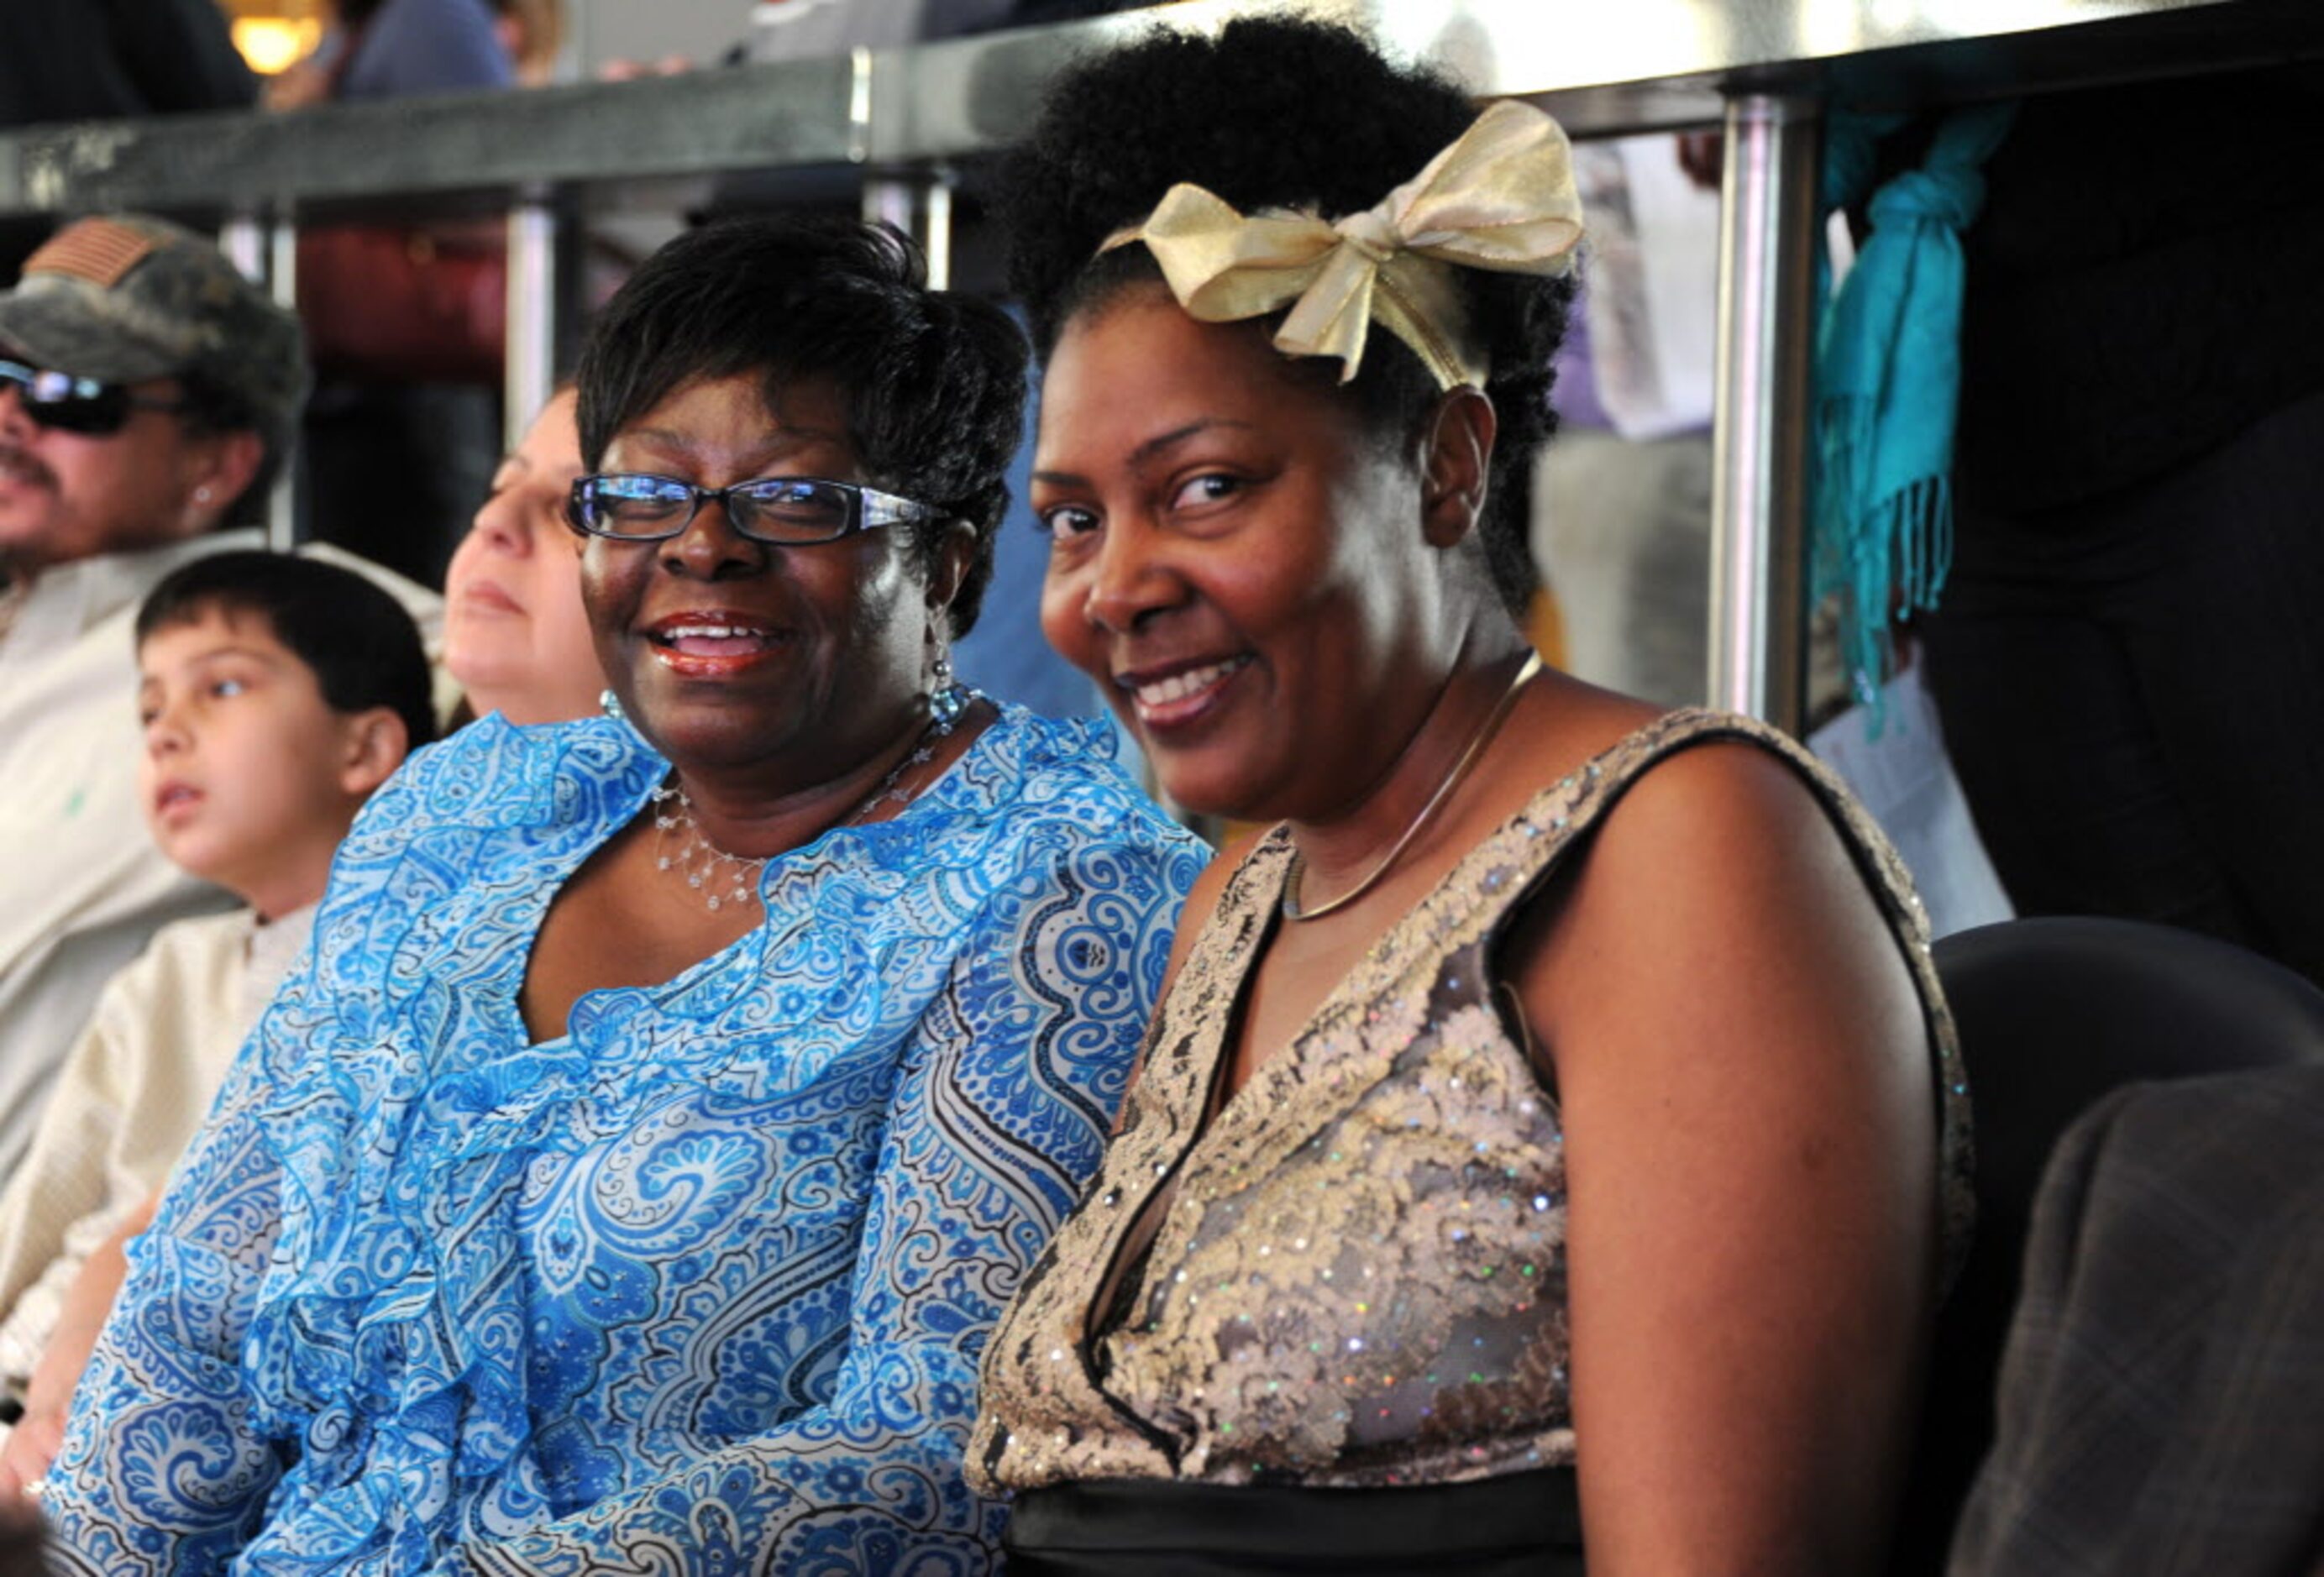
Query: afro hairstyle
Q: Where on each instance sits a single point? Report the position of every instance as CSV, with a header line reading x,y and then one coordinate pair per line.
x,y
1284,113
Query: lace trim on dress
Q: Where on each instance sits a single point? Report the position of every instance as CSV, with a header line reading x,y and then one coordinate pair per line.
x,y
1358,1273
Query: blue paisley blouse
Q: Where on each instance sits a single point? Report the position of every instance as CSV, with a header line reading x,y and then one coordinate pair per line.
x,y
700,1287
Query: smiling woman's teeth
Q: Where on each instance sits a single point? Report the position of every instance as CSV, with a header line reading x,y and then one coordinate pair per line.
x,y
713,640
1180,686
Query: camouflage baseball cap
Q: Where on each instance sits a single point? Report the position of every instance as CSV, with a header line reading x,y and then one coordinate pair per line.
x,y
127,297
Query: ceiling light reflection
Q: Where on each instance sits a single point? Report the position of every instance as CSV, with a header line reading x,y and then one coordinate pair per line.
x,y
269,44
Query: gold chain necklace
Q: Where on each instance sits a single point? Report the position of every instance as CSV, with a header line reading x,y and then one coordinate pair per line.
x,y
1289,903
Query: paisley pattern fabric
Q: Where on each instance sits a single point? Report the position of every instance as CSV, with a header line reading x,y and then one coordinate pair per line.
x,y
1356,1275
700,1287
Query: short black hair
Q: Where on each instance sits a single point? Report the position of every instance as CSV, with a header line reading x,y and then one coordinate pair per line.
x,y
1286,113
362,647
934,380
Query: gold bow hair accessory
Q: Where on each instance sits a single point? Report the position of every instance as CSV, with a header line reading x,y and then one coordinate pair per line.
x,y
1501,197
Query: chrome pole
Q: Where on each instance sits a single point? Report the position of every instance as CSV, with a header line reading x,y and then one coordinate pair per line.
x,y
268,255
282,522
282,262
530,370
1758,498
918,202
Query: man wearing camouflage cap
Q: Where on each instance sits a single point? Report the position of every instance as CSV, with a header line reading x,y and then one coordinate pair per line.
x,y
147,395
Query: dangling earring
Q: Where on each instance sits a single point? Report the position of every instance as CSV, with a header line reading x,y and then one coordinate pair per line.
x,y
948,697
611,705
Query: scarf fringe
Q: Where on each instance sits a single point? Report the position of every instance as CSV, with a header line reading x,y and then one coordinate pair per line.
x,y
1887,561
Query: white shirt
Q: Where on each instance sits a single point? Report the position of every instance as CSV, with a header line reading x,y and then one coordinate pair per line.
x,y
82,888
129,1098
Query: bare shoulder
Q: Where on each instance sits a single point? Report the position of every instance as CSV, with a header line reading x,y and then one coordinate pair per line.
x,y
1732,783
1717,891
1741,1063
1721,825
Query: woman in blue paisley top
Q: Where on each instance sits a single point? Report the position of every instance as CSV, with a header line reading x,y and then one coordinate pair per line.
x,y
631,1175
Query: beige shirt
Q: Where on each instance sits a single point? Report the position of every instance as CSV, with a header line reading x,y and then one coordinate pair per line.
x,y
128,1098
82,888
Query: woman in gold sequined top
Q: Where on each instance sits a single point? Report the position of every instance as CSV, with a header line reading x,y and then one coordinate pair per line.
x,y
1550,1136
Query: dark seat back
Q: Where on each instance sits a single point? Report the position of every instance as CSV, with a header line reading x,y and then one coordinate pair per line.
x,y
2053,1014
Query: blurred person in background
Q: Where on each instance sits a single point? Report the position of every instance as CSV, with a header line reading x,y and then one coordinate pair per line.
x,y
406,322
532,31
394,49
96,60
2126,657
1621,502
91,59
148,394
515,635
276,693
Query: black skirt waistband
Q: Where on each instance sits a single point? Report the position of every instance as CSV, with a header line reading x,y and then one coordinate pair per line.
x,y
1518,1525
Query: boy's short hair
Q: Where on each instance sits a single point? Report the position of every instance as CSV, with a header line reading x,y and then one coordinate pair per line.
x,y
363,647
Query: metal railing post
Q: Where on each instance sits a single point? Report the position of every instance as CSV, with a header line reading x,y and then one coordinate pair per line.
x,y
1759,500
268,255
530,367
282,524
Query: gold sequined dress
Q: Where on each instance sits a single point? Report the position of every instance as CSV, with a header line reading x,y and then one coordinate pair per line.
x,y
1358,1275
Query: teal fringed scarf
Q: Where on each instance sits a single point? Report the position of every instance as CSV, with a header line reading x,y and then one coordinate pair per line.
x,y
1887,379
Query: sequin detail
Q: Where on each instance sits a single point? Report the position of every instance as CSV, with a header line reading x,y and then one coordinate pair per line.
x,y
1358,1277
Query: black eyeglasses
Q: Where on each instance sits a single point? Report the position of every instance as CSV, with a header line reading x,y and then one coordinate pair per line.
x,y
78,405
788,512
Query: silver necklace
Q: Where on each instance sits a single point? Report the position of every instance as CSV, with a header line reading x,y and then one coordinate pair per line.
x,y
726,879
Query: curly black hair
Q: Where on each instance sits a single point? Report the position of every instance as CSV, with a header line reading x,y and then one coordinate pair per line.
x,y
934,380
1279,111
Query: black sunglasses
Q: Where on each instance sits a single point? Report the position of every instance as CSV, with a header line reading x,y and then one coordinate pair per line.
x,y
78,405
786,511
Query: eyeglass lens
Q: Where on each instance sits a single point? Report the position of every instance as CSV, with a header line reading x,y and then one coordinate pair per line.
x,y
60,400
782,509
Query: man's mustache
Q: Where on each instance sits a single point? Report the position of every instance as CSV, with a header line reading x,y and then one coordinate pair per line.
x,y
21,465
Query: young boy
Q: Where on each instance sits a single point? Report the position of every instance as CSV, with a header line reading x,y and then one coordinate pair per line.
x,y
276,693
